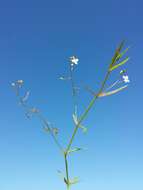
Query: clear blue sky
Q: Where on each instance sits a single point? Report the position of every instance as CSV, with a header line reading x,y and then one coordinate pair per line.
x,y
36,39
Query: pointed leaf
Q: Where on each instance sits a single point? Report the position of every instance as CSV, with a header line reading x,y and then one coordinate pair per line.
x,y
90,90
119,64
66,181
46,129
122,54
74,150
121,45
61,174
55,130
117,52
84,129
74,181
25,98
112,92
75,119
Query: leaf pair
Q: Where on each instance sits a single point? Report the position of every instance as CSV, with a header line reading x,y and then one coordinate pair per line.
x,y
74,150
102,94
117,56
70,182
75,119
54,130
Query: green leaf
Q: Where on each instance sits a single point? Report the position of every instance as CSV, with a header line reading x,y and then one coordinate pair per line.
x,y
119,64
117,52
84,129
90,90
74,150
121,45
66,181
61,174
55,131
75,119
112,92
74,181
122,54
46,129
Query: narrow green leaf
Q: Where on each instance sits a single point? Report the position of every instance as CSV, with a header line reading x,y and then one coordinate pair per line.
x,y
66,181
74,150
75,119
90,90
117,52
84,129
119,64
112,92
74,181
55,131
46,129
122,54
121,45
61,174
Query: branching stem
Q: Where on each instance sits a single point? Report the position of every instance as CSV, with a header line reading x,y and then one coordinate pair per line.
x,y
85,113
83,116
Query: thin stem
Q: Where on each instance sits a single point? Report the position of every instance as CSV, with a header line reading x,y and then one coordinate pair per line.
x,y
51,133
42,119
73,90
68,187
115,83
67,171
66,165
83,116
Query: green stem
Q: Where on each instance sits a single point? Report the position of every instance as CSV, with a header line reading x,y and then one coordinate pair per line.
x,y
51,133
66,165
83,116
43,120
74,93
67,173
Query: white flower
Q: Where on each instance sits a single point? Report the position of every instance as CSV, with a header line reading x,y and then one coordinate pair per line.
x,y
20,82
126,78
74,60
65,78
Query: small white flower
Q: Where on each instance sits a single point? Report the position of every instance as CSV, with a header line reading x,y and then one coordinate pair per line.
x,y
65,78
20,82
126,79
74,60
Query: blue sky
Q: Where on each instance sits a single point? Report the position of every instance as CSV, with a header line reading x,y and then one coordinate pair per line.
x,y
36,39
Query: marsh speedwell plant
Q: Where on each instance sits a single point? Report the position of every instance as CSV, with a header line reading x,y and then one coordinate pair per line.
x,y
118,85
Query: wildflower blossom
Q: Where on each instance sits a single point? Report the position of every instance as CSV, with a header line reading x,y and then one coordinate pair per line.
x,y
17,83
126,78
20,82
74,60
